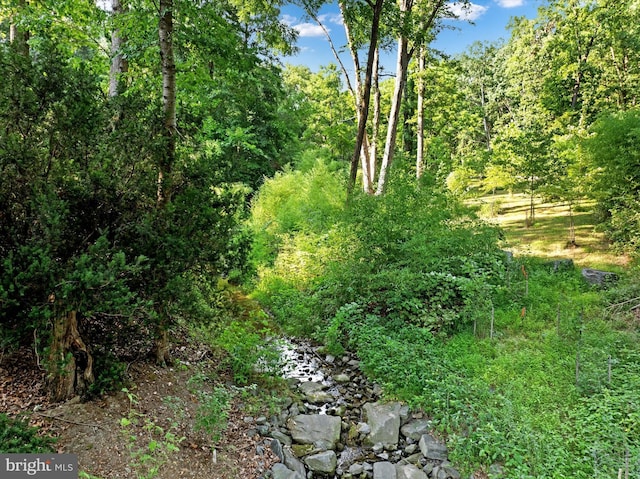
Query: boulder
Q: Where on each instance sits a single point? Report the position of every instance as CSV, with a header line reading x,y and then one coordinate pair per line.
x,y
599,278
318,429
292,462
432,449
409,471
280,471
384,421
384,470
416,428
323,462
445,472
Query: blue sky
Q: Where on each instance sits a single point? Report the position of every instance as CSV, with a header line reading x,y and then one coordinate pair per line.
x,y
489,17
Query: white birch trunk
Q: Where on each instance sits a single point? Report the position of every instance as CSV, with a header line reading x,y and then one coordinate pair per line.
x,y
420,166
394,114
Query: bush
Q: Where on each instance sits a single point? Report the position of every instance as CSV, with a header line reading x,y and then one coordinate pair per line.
x,y
16,436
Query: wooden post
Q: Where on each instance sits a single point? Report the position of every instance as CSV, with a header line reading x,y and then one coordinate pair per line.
x,y
493,316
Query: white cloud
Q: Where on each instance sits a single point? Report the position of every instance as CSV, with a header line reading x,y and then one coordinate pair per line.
x,y
335,18
469,12
510,3
288,20
309,30
304,29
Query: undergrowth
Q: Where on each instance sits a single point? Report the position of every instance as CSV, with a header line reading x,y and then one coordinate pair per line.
x,y
523,367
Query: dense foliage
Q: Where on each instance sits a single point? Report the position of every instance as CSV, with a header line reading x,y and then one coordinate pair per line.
x,y
83,232
509,356
413,256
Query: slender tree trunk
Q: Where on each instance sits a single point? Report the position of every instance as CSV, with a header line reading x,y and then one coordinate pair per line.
x,y
118,62
394,115
422,63
357,95
17,37
373,148
366,94
70,361
168,155
485,120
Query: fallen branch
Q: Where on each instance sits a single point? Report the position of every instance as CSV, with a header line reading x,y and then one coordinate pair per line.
x,y
58,418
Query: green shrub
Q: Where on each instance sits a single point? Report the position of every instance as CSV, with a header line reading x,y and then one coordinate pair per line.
x,y
16,436
213,413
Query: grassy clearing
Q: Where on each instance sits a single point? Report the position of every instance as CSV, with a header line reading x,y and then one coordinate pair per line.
x,y
549,236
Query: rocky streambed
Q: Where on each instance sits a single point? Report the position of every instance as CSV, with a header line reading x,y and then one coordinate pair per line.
x,y
341,428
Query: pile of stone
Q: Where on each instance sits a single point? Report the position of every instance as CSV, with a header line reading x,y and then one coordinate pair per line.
x,y
341,429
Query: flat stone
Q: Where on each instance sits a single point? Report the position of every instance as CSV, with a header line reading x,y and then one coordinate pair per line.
x,y
384,420
409,471
432,449
310,387
280,471
318,397
445,472
280,436
356,469
323,462
416,428
384,470
318,429
342,378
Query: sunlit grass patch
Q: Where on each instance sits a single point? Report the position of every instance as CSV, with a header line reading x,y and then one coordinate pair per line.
x,y
549,234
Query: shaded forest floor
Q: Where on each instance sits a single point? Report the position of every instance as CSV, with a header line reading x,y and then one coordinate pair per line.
x,y
148,430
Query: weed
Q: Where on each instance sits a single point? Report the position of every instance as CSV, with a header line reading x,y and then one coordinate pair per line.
x,y
213,413
150,448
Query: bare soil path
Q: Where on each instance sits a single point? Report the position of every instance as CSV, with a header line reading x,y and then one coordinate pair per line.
x,y
149,431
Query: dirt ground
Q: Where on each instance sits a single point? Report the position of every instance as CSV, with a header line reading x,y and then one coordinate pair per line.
x,y
147,431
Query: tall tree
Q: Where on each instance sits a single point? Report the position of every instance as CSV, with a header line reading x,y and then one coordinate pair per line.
x,y
118,60
363,108
415,29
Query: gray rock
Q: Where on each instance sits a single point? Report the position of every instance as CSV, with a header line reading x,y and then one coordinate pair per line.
x,y
384,420
356,469
452,473
318,397
414,459
292,462
416,428
310,387
409,471
445,472
384,470
323,462
276,447
280,436
280,471
410,449
320,430
599,278
341,378
363,428
432,449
